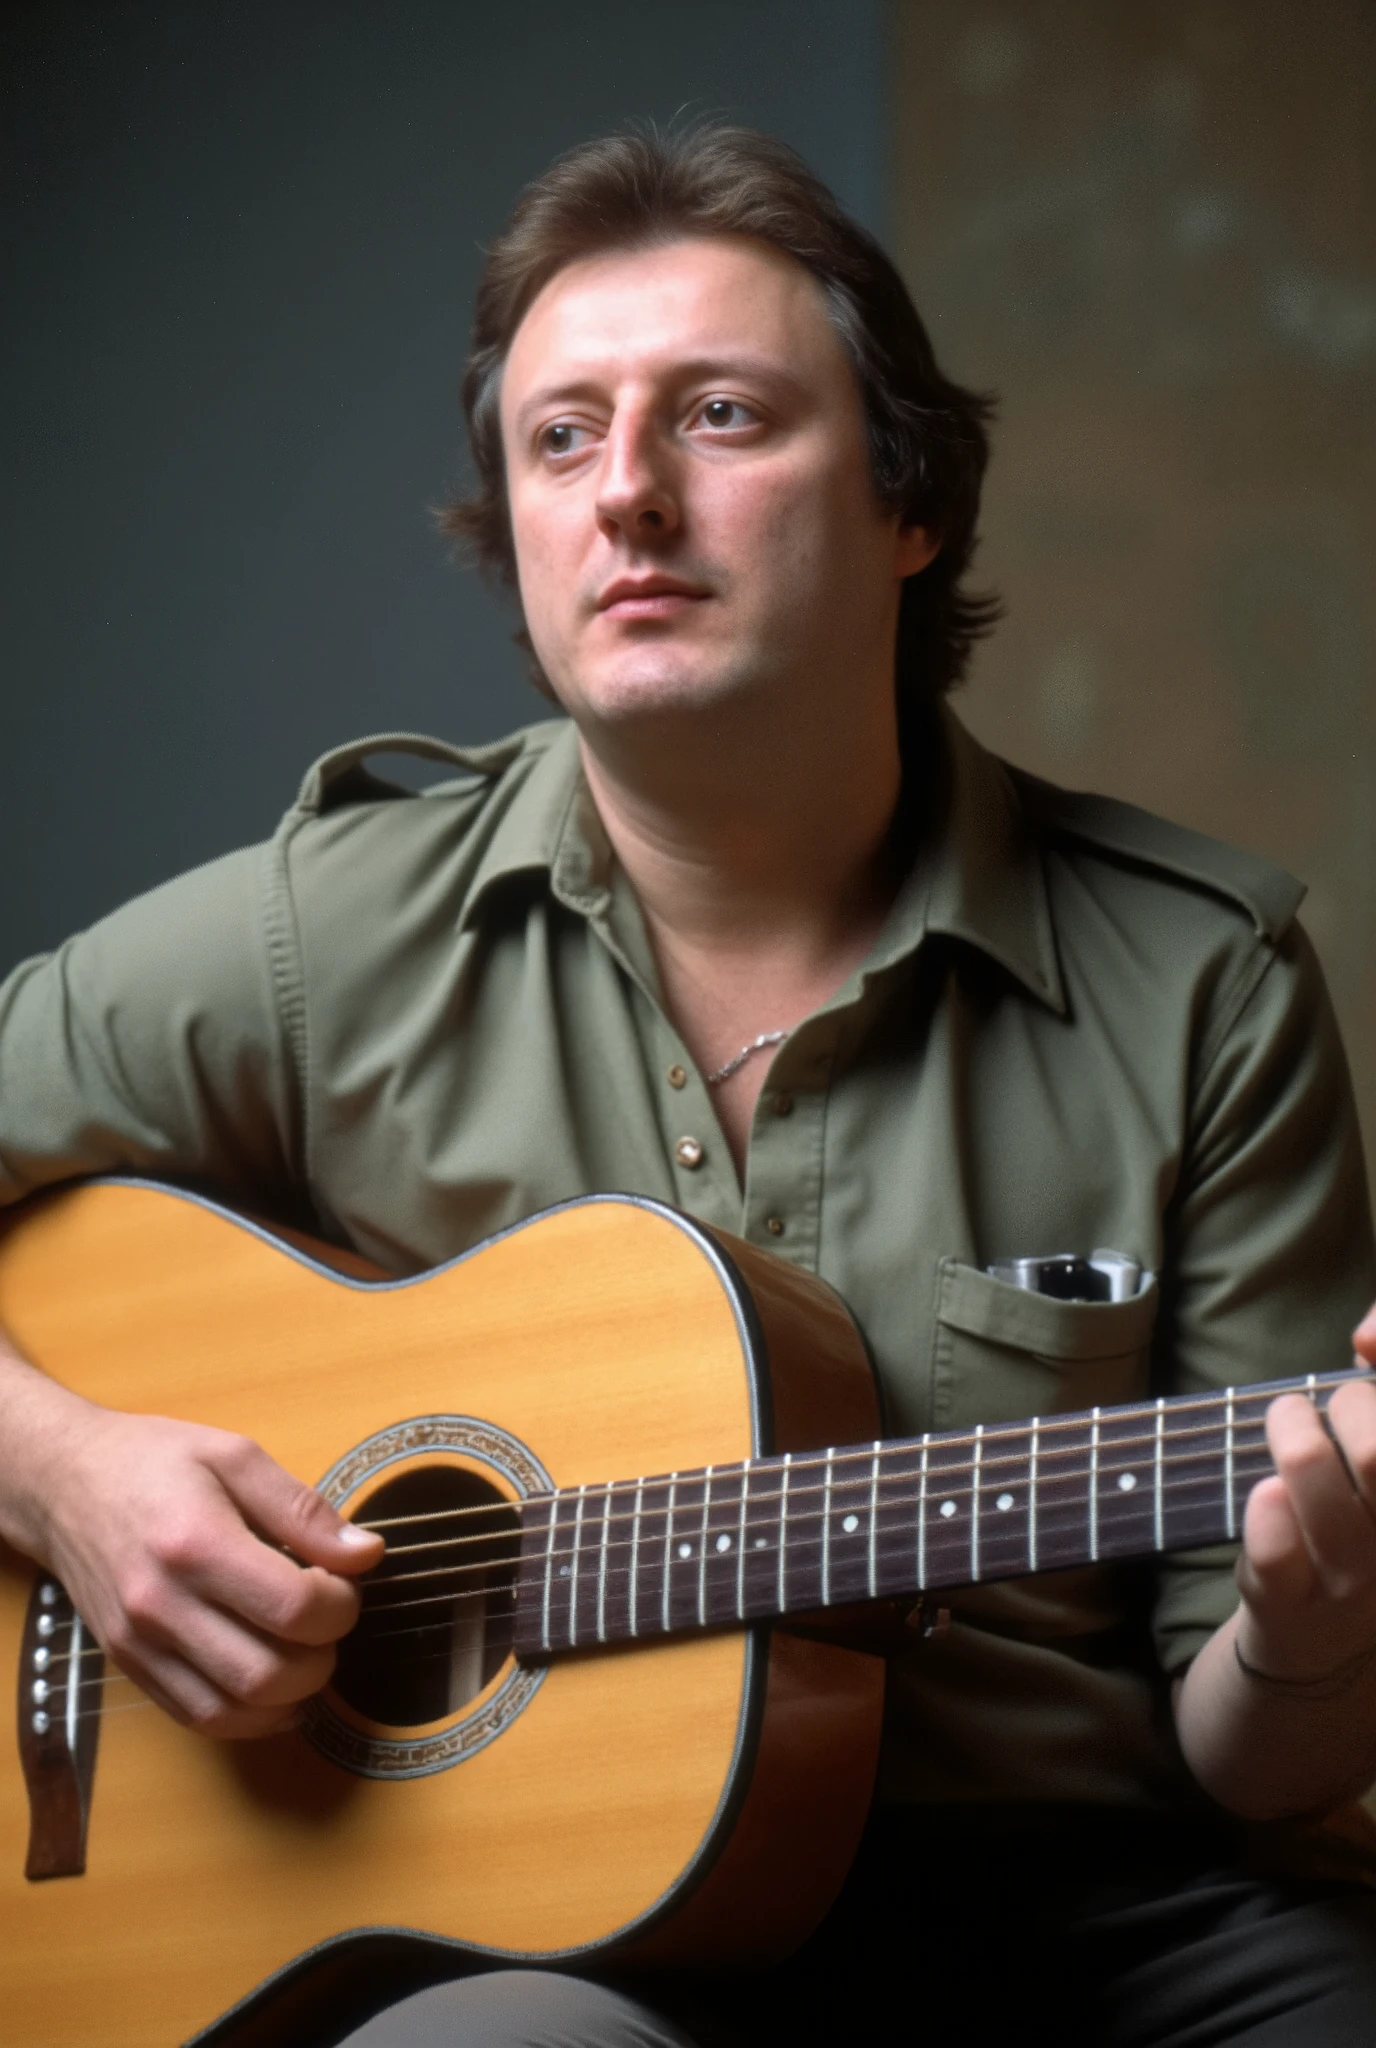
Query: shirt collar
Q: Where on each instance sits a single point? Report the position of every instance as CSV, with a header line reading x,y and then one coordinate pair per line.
x,y
548,826
978,878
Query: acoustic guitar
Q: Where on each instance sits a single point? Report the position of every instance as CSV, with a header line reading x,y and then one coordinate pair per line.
x,y
607,1449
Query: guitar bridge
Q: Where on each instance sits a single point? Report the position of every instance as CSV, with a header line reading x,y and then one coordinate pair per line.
x,y
60,1664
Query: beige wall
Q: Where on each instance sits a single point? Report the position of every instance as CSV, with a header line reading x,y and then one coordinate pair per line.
x,y
1150,225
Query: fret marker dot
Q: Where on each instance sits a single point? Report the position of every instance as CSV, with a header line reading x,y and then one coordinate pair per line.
x,y
723,1542
1004,1502
851,1524
761,1543
948,1508
563,1571
685,1550
1126,1481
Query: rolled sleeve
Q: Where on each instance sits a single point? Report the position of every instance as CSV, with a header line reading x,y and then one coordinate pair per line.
x,y
160,1042
1269,1256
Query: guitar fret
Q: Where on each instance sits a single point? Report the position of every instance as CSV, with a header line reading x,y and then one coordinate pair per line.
x,y
783,1531
1003,1496
573,1579
642,1587
850,1511
759,1567
668,1554
602,1566
687,1590
922,1516
883,1495
975,1504
1062,1517
567,1507
702,1548
550,1526
721,1544
1159,1527
1125,1508
1194,1448
1094,1487
633,1587
959,1507
948,1511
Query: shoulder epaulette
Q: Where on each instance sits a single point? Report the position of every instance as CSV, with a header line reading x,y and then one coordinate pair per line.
x,y
1267,893
343,777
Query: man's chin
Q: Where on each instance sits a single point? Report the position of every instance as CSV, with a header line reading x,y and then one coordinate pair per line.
x,y
662,694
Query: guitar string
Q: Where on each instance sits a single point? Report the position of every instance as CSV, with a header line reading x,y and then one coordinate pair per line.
x,y
800,1540
893,1544
1174,1480
501,1637
1247,1441
1051,1516
991,1459
497,1639
1047,1426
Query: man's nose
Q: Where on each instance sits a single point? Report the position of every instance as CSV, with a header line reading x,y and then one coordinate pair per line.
x,y
637,493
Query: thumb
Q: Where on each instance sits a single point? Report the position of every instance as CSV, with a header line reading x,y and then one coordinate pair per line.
x,y
1364,1336
293,1514
1275,1569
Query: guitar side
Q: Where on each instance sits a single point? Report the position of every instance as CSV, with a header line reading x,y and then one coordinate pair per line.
x,y
685,1798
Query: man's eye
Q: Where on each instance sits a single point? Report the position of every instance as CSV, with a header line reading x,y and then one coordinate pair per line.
x,y
559,438
726,412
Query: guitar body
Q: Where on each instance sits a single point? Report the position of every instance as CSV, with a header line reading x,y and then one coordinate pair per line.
x,y
693,1798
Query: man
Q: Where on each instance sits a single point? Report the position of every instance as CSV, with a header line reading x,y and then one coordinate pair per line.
x,y
761,931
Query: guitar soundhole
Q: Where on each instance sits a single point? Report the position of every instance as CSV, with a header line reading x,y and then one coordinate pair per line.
x,y
437,1613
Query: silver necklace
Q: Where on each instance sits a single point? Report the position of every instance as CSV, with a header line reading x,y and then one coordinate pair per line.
x,y
734,1066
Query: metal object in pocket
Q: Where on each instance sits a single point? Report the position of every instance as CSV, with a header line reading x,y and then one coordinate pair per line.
x,y
1104,1276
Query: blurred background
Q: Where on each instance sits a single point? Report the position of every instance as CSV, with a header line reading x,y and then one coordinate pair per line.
x,y
241,242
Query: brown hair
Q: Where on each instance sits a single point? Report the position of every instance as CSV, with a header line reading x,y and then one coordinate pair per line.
x,y
927,441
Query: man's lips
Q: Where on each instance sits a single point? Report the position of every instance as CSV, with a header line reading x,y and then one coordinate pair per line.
x,y
648,597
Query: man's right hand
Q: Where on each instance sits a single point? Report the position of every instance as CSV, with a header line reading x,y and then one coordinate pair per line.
x,y
212,1578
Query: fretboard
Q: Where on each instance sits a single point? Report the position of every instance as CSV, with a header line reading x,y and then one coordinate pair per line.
x,y
814,1529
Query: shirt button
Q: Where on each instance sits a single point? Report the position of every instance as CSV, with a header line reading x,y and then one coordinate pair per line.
x,y
783,1104
677,1075
688,1152
774,1225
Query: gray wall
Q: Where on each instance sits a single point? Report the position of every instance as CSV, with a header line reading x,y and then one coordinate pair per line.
x,y
239,246
1153,229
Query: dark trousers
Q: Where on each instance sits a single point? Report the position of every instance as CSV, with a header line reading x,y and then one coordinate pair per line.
x,y
1084,1930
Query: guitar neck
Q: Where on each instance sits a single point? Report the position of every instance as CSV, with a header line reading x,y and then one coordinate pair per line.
x,y
814,1529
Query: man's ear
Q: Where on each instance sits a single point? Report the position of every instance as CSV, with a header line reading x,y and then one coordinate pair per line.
x,y
914,548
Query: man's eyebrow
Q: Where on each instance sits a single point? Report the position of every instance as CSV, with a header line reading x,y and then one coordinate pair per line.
x,y
692,370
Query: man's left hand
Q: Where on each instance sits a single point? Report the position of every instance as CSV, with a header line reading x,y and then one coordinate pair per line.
x,y
1308,1569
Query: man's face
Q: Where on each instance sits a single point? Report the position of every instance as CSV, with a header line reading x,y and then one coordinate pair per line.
x,y
689,483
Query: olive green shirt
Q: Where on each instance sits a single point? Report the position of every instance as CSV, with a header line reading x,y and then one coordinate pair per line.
x,y
412,1020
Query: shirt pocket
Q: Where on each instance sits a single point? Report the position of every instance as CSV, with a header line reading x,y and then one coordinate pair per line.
x,y
1004,1354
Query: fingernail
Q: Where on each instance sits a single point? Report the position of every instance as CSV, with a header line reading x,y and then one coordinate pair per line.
x,y
354,1536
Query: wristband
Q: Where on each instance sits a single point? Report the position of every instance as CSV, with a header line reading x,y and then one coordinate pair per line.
x,y
1327,1686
